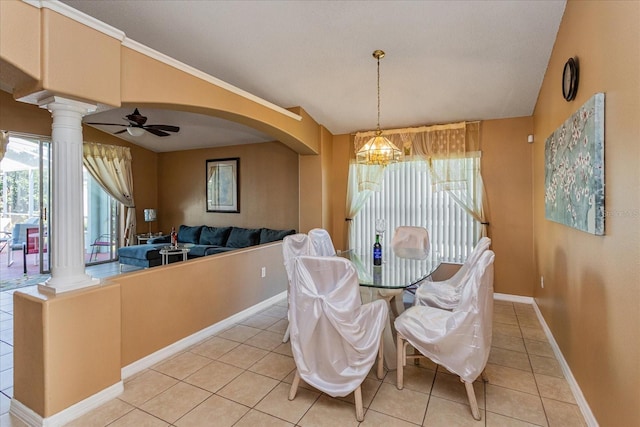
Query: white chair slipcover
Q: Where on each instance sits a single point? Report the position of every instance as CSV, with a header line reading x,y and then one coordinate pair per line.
x,y
446,294
321,242
335,339
459,340
295,245
411,242
292,246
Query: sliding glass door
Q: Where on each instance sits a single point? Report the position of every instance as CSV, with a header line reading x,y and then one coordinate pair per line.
x,y
101,220
24,205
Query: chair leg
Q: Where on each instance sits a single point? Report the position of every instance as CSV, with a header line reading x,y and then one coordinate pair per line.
x,y
400,361
380,372
286,334
357,394
294,386
471,394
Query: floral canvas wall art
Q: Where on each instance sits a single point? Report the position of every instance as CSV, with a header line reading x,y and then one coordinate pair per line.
x,y
574,169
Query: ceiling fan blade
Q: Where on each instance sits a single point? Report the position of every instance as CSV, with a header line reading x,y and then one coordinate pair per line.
x,y
156,131
120,131
168,128
105,124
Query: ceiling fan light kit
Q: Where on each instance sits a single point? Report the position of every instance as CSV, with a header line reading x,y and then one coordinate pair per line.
x,y
137,126
135,131
378,150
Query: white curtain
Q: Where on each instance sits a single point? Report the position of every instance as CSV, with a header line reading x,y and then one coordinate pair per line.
x,y
462,180
110,166
356,197
4,141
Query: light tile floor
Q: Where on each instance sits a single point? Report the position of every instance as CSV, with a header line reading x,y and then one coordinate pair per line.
x,y
241,377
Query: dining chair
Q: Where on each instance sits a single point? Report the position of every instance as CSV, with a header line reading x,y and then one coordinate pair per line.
x,y
102,241
292,246
335,339
410,242
459,340
18,238
4,240
446,294
321,242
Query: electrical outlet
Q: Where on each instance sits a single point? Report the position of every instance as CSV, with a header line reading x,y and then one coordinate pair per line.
x,y
542,282
263,272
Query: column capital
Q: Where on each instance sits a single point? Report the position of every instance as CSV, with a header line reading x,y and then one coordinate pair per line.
x,y
56,102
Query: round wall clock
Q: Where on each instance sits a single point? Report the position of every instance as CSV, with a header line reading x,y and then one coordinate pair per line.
x,y
570,79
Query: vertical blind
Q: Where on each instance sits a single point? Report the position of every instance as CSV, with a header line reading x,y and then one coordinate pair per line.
x,y
407,197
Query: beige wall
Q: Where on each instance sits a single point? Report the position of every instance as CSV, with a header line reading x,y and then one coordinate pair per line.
x,y
342,153
81,339
310,192
591,298
20,48
507,175
268,187
164,304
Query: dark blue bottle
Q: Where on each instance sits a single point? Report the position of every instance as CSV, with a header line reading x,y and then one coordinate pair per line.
x,y
377,251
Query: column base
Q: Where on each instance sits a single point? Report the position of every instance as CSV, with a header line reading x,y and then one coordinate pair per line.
x,y
60,285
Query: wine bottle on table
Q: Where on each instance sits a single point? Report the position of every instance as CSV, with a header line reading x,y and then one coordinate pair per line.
x,y
174,238
377,251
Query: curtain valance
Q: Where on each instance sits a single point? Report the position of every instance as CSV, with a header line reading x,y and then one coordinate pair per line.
x,y
438,141
450,141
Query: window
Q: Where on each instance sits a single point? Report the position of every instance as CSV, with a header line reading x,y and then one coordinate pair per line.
x,y
407,197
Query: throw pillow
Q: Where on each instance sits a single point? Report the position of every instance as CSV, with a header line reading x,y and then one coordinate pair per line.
x,y
188,234
243,237
268,235
214,235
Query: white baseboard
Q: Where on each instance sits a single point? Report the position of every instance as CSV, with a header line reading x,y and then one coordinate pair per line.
x,y
513,298
178,346
573,384
69,414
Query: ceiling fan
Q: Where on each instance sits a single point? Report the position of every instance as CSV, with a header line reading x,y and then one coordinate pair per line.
x,y
136,126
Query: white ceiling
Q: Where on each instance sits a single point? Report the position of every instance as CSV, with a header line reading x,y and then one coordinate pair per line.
x,y
445,61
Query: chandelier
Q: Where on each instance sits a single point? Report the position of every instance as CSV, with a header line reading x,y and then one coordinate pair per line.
x,y
378,150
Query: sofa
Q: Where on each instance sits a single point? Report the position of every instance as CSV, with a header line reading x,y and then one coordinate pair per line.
x,y
202,241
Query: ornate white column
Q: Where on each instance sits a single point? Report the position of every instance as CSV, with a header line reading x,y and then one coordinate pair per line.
x,y
66,231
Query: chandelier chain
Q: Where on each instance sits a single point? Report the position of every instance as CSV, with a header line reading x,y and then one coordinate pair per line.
x,y
378,58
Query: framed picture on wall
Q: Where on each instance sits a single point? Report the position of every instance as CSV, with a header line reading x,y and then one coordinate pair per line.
x,y
223,185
